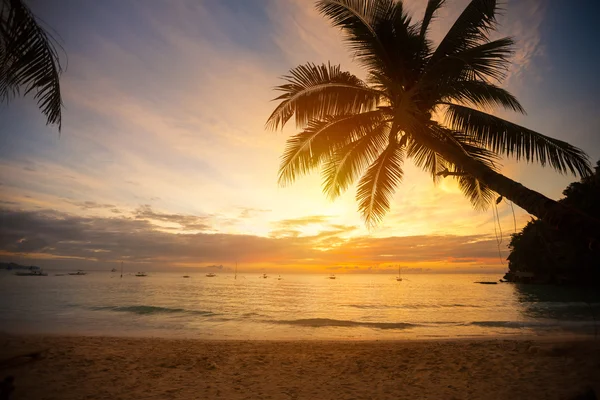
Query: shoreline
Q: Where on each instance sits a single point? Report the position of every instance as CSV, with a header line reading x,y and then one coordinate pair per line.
x,y
101,367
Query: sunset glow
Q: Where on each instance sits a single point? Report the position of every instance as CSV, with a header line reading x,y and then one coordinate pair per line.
x,y
164,159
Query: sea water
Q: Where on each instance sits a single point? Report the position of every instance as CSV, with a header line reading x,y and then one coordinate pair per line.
x,y
295,307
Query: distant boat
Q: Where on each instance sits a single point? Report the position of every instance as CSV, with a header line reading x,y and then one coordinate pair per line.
x,y
32,272
79,272
332,276
264,276
279,278
487,283
186,276
211,274
399,277
113,270
59,274
141,274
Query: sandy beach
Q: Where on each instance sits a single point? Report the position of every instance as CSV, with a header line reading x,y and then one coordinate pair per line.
x,y
71,367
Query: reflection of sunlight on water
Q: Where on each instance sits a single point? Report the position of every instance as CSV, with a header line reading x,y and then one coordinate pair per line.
x,y
299,306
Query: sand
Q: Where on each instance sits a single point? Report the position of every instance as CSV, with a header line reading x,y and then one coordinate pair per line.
x,y
137,368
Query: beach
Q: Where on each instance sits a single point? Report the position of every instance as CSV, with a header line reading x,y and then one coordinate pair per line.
x,y
87,367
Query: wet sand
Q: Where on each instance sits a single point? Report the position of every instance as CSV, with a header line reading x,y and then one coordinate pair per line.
x,y
70,367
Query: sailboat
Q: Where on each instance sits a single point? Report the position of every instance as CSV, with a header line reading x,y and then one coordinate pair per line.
x,y
121,269
235,276
332,276
279,278
399,277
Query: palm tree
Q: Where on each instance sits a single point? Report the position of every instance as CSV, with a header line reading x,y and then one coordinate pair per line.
x,y
28,60
430,105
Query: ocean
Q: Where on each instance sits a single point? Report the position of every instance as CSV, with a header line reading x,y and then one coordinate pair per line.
x,y
351,307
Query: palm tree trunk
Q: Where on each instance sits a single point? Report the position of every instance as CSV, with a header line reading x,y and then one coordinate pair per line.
x,y
566,219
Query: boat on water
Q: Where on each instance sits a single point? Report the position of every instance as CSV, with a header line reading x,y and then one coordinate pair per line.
x,y
79,272
186,276
279,278
332,276
487,283
113,270
141,274
211,275
264,276
399,277
33,272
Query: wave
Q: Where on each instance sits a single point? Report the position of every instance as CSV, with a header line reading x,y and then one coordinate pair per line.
x,y
146,310
410,306
328,322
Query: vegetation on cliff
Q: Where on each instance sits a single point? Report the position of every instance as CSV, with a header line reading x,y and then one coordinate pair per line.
x,y
540,253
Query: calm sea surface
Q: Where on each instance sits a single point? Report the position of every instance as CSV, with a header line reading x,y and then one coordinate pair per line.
x,y
297,307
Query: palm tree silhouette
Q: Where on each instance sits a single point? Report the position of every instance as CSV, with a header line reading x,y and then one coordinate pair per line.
x,y
354,129
28,60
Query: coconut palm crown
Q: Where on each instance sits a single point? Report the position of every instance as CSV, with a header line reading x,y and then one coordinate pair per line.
x,y
365,130
29,61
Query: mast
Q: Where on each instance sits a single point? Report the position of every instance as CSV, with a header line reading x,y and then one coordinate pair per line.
x,y
121,269
235,277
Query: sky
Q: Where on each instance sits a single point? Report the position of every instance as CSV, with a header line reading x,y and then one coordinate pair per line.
x,y
164,161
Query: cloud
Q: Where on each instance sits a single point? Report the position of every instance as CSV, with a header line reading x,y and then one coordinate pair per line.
x,y
249,212
90,205
189,222
302,221
53,234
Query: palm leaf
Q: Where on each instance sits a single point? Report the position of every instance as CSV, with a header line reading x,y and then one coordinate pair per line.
x,y
358,19
478,193
306,150
470,29
503,137
28,60
349,161
481,95
316,91
377,186
485,62
425,158
430,10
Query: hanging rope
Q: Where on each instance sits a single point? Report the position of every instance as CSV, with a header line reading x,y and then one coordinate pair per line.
x,y
514,218
498,239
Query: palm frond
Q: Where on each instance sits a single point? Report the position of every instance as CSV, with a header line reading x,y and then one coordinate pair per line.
x,y
425,158
478,193
503,137
481,95
357,19
488,61
29,60
316,91
306,150
470,29
349,161
377,186
430,10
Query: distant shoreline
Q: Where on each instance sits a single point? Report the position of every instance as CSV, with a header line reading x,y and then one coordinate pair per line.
x,y
149,368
